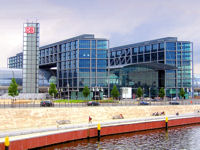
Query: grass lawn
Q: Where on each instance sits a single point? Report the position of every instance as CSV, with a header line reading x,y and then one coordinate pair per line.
x,y
84,101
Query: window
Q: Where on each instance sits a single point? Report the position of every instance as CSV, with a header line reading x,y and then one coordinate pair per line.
x,y
63,48
186,46
128,52
84,44
128,60
147,57
140,58
134,50
84,63
93,53
122,60
134,59
93,44
154,47
73,47
118,53
101,63
101,53
84,53
113,54
46,51
171,46
153,56
160,55
112,62
63,58
173,63
170,55
147,48
141,49
161,46
102,44
186,56
179,47
94,63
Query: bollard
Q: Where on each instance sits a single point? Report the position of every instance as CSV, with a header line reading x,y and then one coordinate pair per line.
x,y
99,131
6,143
166,123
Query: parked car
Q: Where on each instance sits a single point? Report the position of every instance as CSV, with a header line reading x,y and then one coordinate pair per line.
x,y
174,103
93,103
154,100
46,103
144,103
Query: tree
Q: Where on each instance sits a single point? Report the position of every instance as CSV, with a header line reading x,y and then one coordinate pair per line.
x,y
153,92
86,91
13,88
162,93
115,92
139,92
182,93
52,90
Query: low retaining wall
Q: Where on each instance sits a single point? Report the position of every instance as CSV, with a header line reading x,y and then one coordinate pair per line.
x,y
75,134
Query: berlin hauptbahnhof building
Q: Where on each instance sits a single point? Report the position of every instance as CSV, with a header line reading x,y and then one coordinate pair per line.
x,y
86,60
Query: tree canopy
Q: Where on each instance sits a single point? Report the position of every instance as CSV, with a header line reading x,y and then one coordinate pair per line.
x,y
86,92
182,93
52,90
13,88
153,92
139,92
115,92
162,93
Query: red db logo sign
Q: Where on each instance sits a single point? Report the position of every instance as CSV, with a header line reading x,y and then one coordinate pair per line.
x,y
29,30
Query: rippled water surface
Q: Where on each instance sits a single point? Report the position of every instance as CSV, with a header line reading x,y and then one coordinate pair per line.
x,y
177,138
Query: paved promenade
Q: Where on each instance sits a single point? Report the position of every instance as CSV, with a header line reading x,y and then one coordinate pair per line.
x,y
29,118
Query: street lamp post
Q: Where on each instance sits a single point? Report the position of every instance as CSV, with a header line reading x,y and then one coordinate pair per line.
x,y
68,92
143,93
93,91
149,93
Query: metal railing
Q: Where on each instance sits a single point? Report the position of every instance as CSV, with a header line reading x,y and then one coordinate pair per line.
x,y
85,104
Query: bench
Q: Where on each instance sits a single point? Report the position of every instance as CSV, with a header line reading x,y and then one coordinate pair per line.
x,y
120,116
62,122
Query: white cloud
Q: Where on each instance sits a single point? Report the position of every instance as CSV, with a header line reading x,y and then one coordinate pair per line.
x,y
121,21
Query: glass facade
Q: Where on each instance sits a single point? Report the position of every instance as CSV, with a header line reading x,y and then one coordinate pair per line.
x,y
80,61
85,60
30,57
16,61
169,61
6,75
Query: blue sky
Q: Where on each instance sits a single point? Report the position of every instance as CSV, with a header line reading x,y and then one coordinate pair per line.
x,y
121,21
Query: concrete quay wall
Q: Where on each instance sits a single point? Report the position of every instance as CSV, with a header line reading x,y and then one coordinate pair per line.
x,y
49,139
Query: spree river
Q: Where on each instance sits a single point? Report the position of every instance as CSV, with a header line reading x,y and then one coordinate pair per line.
x,y
176,138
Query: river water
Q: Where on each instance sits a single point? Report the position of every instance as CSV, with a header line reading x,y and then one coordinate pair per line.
x,y
176,138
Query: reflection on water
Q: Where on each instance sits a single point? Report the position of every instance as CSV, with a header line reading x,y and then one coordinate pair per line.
x,y
185,137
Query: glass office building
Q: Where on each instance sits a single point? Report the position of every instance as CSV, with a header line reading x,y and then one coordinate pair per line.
x,y
164,62
87,61
80,61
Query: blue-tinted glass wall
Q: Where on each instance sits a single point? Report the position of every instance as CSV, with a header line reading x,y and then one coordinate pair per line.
x,y
179,54
167,51
137,54
80,61
16,61
93,62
